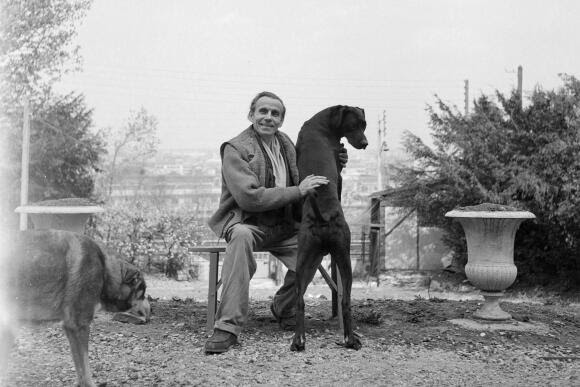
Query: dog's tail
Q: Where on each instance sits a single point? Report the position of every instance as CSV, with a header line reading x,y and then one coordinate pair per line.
x,y
314,205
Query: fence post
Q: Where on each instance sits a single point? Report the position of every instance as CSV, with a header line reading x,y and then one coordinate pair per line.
x,y
24,164
374,248
362,248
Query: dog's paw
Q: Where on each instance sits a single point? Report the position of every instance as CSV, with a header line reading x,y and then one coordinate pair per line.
x,y
353,343
298,344
297,347
356,344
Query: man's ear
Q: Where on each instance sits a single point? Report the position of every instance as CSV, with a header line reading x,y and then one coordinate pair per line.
x,y
250,116
337,115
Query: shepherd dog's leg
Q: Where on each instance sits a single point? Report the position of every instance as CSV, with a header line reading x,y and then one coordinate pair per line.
x,y
78,337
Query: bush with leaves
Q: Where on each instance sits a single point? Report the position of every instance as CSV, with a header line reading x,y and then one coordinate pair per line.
x,y
527,157
156,240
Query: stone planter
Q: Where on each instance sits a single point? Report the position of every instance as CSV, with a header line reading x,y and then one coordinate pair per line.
x,y
490,231
62,214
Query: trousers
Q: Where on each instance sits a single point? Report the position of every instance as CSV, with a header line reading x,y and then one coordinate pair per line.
x,y
239,267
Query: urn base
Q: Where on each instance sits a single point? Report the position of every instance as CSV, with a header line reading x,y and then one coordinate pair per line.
x,y
491,309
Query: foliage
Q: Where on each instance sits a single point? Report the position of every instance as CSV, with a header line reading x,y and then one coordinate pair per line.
x,y
36,45
64,151
505,154
36,49
134,143
149,237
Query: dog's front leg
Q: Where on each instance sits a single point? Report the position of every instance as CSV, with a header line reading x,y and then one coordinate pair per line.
x,y
78,337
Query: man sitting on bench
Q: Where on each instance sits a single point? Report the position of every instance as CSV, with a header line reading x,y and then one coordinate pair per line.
x,y
260,184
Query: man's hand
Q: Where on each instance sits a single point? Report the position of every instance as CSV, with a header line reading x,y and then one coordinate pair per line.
x,y
310,183
342,156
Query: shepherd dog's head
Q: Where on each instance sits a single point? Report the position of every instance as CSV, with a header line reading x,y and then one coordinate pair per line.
x,y
124,288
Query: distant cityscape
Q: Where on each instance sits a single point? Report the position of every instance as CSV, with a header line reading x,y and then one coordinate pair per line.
x,y
190,180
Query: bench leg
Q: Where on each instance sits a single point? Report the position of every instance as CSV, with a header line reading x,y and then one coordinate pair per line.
x,y
335,283
340,295
212,290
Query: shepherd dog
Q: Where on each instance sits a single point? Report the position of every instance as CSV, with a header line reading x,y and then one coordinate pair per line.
x,y
53,275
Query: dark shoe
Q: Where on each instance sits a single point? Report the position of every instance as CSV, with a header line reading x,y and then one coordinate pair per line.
x,y
286,323
220,341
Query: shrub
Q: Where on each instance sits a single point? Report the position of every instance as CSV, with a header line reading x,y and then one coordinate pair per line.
x,y
502,153
155,240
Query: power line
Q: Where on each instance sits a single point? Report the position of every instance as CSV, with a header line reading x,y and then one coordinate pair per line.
x,y
187,74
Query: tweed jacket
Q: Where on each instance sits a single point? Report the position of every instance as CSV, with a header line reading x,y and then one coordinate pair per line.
x,y
244,193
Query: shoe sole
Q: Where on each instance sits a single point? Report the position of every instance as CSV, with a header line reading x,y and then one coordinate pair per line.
x,y
283,325
216,351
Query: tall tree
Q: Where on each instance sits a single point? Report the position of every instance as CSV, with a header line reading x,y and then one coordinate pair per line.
x,y
131,145
36,45
66,152
36,49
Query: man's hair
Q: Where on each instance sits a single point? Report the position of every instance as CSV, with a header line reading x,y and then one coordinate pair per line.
x,y
269,95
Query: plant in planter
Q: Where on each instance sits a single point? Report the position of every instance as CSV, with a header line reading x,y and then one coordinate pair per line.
x,y
69,214
490,231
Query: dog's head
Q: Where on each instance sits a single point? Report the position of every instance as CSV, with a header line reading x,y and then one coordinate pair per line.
x,y
135,283
125,289
350,122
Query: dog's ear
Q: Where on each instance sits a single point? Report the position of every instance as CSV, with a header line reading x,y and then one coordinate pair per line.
x,y
337,114
131,275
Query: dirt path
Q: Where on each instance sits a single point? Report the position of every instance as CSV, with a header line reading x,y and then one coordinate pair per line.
x,y
406,342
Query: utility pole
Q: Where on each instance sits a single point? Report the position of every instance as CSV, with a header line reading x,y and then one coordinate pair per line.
x,y
379,158
384,128
382,148
24,164
466,93
520,85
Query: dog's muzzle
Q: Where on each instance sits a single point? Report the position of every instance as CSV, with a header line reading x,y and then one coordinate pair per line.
x,y
141,308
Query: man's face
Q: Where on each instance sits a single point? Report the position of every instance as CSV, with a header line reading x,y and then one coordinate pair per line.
x,y
267,117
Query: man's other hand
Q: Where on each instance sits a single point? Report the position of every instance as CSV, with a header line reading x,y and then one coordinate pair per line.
x,y
342,156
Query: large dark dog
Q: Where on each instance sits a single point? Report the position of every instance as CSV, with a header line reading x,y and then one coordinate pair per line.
x,y
55,275
323,229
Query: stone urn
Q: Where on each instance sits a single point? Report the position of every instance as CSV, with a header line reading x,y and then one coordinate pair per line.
x,y
490,230
69,214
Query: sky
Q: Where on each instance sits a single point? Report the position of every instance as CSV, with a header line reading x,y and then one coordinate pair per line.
x,y
196,65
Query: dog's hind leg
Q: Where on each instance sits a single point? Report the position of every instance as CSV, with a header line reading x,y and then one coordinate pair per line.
x,y
308,261
341,256
78,337
7,337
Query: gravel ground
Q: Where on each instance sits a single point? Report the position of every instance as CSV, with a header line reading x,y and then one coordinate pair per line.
x,y
405,343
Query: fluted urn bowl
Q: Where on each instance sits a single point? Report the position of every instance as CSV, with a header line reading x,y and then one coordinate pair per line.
x,y
490,230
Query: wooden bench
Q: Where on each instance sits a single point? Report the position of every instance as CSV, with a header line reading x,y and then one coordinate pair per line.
x,y
215,283
214,279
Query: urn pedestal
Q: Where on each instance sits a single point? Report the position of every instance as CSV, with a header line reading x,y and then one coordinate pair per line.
x,y
490,232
